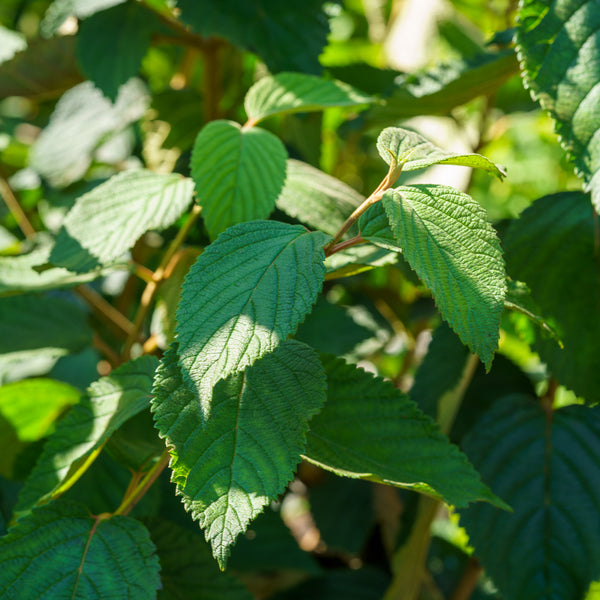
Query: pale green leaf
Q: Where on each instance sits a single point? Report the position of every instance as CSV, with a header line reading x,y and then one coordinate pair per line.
x,y
238,173
60,10
107,221
230,466
558,46
315,198
412,151
386,438
546,467
61,552
357,259
246,293
82,120
297,92
446,238
109,402
11,42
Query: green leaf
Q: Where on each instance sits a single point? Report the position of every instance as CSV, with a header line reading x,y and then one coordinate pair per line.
x,y
558,47
440,89
112,43
11,42
358,259
286,36
60,552
82,120
188,571
238,173
296,92
230,466
107,221
374,226
266,276
78,438
412,151
315,198
60,10
447,240
545,465
386,438
552,248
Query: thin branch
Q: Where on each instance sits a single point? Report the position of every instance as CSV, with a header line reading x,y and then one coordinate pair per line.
x,y
105,310
468,582
15,208
355,241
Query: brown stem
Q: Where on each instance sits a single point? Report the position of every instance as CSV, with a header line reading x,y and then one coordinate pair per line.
x,y
184,34
355,241
15,208
468,582
111,356
105,310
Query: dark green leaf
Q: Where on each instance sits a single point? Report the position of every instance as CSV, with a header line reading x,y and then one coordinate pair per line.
x,y
374,226
546,467
266,276
238,173
552,248
229,466
446,238
558,46
386,438
60,552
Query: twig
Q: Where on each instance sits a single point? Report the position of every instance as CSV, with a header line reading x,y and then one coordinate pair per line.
x,y
468,582
105,310
15,208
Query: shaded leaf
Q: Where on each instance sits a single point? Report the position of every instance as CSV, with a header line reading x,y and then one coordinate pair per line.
x,y
230,466
412,151
357,259
238,173
60,552
315,198
558,46
266,276
78,438
374,226
448,241
546,466
552,248
386,438
296,92
107,221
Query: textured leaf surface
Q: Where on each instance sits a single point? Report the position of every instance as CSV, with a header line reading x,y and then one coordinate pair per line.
x,y
230,466
82,119
547,468
59,552
109,402
551,248
413,151
111,45
448,241
374,226
286,36
238,173
315,198
296,92
107,221
266,277
558,45
386,438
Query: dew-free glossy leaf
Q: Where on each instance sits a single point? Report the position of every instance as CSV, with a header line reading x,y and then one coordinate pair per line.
x,y
297,92
552,248
546,467
558,46
446,238
412,151
238,173
107,221
386,438
61,552
109,402
246,293
315,198
229,466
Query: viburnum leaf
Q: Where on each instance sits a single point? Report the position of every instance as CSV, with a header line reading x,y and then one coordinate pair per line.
x,y
61,552
447,240
79,436
108,220
374,226
545,465
238,173
229,466
386,438
60,10
412,151
246,293
557,42
297,92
